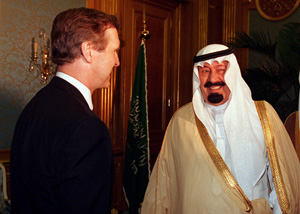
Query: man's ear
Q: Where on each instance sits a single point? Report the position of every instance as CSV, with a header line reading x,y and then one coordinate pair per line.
x,y
86,50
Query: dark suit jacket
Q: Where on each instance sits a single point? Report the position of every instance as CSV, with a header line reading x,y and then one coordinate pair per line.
x,y
61,155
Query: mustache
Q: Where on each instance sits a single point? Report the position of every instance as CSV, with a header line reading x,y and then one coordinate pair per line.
x,y
209,84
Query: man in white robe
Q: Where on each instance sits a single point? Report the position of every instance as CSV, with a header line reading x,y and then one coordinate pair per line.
x,y
223,152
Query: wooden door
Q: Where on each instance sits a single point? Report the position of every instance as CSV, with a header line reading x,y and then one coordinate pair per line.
x,y
162,69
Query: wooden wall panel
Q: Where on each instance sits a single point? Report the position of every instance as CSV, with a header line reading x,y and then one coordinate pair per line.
x,y
215,22
201,23
242,24
118,200
229,17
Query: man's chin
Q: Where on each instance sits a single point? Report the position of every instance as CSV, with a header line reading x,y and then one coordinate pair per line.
x,y
215,98
106,84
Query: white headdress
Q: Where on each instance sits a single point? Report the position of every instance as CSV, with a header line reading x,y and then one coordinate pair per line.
x,y
241,122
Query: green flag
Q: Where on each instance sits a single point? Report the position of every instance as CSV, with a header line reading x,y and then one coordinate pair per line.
x,y
137,168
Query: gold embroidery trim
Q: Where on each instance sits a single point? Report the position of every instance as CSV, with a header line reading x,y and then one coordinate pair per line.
x,y
275,167
221,165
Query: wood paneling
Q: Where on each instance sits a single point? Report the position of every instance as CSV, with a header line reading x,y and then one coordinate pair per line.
x,y
200,22
118,200
229,17
242,25
215,22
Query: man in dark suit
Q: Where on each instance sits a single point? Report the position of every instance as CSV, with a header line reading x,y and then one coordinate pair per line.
x,y
61,154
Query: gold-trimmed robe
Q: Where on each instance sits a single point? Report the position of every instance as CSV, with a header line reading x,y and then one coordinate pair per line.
x,y
185,179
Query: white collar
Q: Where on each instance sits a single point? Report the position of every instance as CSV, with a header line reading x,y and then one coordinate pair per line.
x,y
86,93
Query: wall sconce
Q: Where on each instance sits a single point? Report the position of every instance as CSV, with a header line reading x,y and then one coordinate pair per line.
x,y
41,60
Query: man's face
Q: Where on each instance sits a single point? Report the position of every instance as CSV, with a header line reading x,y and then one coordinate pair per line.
x,y
104,60
212,83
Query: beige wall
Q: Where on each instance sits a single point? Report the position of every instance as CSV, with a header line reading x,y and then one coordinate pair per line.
x,y
20,21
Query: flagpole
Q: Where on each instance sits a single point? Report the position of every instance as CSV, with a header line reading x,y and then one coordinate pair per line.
x,y
145,34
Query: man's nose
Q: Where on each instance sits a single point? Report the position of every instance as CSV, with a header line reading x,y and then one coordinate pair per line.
x,y
213,76
117,63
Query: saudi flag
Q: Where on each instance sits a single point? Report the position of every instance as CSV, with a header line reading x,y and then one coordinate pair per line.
x,y
137,168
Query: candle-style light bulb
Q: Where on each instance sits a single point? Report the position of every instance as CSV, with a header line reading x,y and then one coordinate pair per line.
x,y
35,46
49,48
